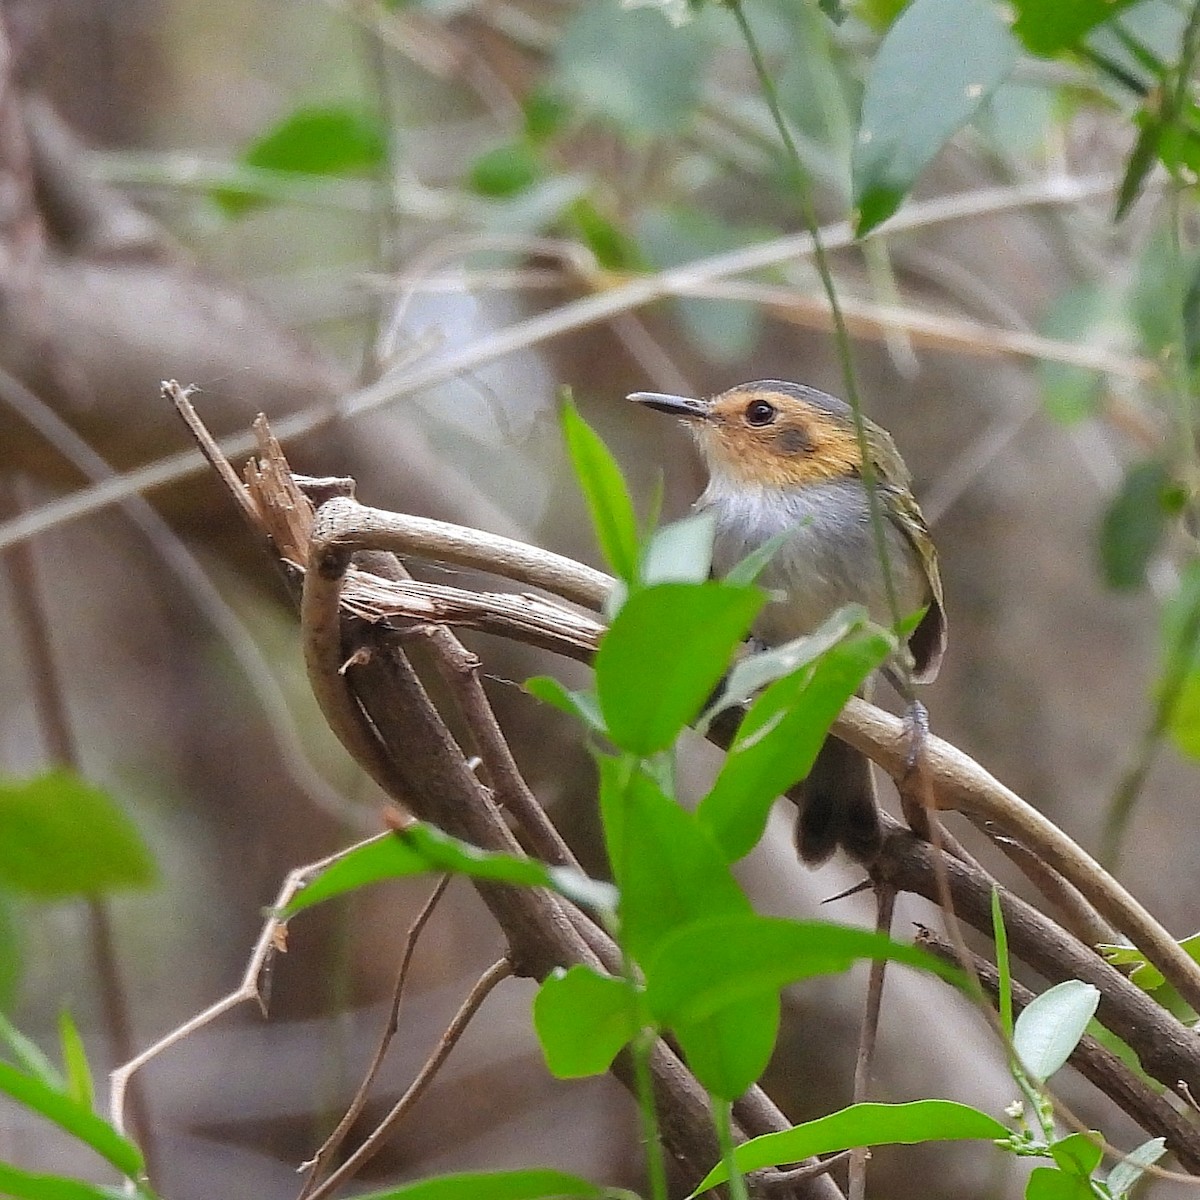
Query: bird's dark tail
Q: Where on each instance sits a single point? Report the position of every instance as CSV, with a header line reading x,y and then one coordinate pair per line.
x,y
838,807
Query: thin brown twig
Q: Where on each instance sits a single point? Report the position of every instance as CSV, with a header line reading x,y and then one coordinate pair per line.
x,y
253,986
779,1181
330,1146
885,908
500,970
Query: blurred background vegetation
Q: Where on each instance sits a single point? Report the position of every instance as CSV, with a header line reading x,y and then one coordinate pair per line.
x,y
282,203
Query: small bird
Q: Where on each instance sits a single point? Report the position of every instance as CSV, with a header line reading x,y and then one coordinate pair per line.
x,y
783,457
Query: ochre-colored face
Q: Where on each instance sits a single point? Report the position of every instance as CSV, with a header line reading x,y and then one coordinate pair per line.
x,y
758,434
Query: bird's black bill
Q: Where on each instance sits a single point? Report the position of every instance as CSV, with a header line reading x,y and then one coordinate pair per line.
x,y
677,406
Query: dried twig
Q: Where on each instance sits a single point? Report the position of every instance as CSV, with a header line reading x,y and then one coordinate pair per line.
x,y
331,1144
496,973
254,985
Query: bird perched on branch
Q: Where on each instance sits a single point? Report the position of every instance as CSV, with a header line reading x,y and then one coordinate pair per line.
x,y
785,458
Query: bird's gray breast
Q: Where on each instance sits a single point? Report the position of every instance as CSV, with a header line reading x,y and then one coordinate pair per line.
x,y
828,559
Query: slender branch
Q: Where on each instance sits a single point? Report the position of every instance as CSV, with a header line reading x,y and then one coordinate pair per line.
x,y
254,985
331,1144
575,315
885,901
484,986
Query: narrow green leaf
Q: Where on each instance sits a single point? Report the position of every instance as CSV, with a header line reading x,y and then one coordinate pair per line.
x,y
1125,1175
1049,29
29,1056
422,848
604,490
583,1019
680,552
71,1116
1077,1154
1049,1183
312,141
26,1185
937,64
62,837
780,737
1141,160
79,1074
664,654
532,1184
713,963
1003,965
1134,525
1050,1026
862,1125
582,705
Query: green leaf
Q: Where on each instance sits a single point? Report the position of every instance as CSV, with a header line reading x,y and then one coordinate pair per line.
x,y
1003,966
1078,1154
583,1019
1125,1175
29,1056
612,246
505,170
861,1125
680,552
1134,524
937,64
62,837
663,656
545,115
1050,1026
604,489
422,848
1049,1183
752,566
630,68
670,873
711,964
780,737
312,141
79,1075
582,705
1047,29
1141,160
74,1118
26,1185
532,1184
667,868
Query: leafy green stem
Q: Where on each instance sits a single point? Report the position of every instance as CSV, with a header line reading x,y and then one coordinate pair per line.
x,y
656,1164
723,1123
841,334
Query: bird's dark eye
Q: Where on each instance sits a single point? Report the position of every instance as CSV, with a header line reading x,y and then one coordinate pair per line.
x,y
759,412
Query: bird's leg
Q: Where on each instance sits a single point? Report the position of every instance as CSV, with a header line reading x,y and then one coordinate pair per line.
x,y
915,787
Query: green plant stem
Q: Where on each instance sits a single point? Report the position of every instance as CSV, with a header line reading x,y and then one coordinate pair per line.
x,y
841,333
656,1164
723,1123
